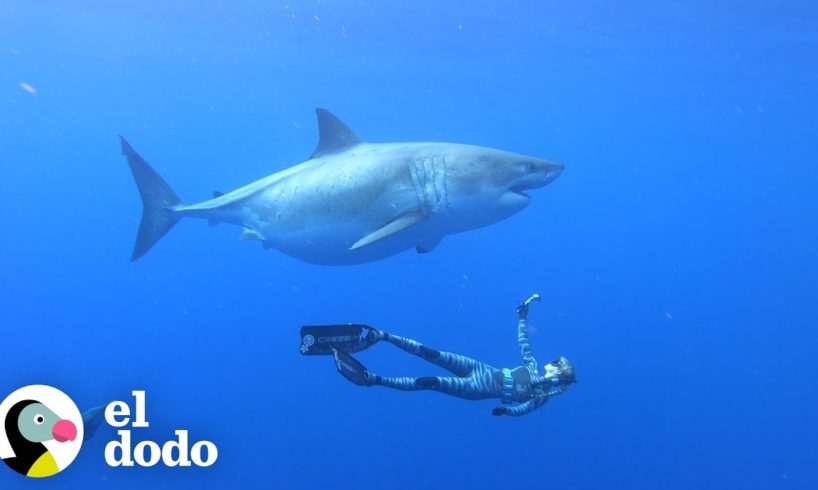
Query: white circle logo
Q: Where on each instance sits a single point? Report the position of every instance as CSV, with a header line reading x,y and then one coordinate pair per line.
x,y
309,340
41,432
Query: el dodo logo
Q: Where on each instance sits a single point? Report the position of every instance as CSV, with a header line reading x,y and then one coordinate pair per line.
x,y
148,453
41,432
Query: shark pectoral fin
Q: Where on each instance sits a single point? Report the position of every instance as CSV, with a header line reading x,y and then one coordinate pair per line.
x,y
400,223
249,234
217,194
428,245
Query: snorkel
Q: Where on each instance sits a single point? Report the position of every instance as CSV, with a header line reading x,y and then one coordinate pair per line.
x,y
559,373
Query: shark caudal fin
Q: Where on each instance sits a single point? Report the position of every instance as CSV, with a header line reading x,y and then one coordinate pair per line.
x,y
158,202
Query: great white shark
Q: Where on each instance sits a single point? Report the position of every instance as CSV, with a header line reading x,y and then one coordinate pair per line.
x,y
353,202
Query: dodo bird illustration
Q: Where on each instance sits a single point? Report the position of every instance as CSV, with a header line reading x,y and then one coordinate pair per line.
x,y
28,425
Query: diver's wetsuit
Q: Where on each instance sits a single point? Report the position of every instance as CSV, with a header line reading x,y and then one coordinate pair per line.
x,y
474,380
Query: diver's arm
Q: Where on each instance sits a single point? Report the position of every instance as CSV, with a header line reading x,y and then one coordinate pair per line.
x,y
522,408
522,333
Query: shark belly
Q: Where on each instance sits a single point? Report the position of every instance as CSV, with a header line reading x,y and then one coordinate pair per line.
x,y
317,215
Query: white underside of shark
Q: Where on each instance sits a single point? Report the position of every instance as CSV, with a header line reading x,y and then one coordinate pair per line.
x,y
356,202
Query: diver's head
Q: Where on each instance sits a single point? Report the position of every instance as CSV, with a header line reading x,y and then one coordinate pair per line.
x,y
560,374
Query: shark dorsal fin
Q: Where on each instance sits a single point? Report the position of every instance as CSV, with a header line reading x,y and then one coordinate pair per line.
x,y
333,134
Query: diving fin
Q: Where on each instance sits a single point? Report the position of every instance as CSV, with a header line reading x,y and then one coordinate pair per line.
x,y
322,339
351,368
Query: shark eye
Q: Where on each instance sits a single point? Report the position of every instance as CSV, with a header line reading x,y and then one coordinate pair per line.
x,y
39,419
532,166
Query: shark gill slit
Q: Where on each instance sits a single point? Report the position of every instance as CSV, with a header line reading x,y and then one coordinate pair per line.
x,y
440,182
418,178
428,175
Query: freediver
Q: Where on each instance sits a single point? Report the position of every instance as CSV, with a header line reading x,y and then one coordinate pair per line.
x,y
521,389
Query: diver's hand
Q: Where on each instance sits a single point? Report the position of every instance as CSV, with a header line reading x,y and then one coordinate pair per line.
x,y
499,411
522,310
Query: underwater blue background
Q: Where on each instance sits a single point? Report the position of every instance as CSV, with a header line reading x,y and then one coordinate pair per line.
x,y
676,255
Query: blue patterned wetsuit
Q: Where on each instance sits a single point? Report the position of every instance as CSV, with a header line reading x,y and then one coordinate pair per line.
x,y
474,380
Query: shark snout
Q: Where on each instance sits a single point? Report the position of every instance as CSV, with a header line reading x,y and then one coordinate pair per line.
x,y
540,173
533,173
554,171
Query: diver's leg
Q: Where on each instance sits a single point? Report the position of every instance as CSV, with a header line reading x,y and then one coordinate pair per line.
x,y
455,363
454,386
397,382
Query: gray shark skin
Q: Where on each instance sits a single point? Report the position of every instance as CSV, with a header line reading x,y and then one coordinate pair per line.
x,y
354,202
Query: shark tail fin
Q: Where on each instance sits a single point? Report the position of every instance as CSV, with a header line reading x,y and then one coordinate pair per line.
x,y
159,202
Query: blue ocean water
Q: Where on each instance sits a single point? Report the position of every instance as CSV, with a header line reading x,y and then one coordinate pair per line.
x,y
676,255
